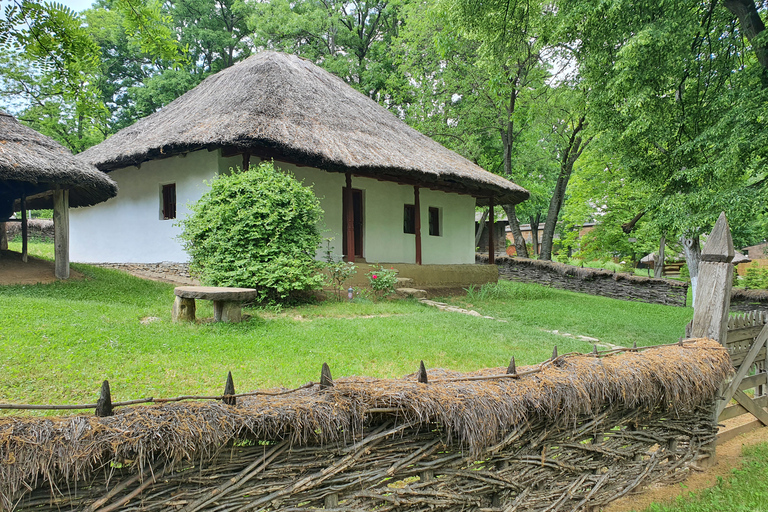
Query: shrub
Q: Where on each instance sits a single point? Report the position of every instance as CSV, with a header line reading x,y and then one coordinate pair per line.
x,y
256,229
756,278
382,281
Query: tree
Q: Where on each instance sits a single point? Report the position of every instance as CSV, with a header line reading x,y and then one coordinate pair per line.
x,y
351,39
678,96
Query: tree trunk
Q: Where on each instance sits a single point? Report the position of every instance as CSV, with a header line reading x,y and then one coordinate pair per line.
x,y
514,226
571,153
480,228
692,250
535,232
751,25
658,260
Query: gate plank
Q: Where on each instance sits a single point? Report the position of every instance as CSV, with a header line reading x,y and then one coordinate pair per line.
x,y
743,369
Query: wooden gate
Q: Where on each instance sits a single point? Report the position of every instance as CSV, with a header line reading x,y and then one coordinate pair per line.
x,y
746,343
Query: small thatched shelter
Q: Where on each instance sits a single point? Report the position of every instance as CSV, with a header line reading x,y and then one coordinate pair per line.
x,y
282,107
38,172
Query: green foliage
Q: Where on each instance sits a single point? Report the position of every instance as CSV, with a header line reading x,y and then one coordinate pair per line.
x,y
256,229
339,272
382,281
756,278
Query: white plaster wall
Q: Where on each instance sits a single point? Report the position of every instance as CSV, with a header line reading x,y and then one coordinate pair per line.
x,y
128,228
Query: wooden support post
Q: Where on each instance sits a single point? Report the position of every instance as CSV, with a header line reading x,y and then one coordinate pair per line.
x,y
349,219
554,353
24,228
417,223
331,501
104,403
326,381
422,375
491,233
713,292
61,232
229,389
3,237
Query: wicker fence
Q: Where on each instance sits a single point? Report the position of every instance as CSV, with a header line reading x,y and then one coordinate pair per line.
x,y
571,433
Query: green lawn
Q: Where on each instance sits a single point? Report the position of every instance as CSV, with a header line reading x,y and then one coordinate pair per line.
x,y
59,341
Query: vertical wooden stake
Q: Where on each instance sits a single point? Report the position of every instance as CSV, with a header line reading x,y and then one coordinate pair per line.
x,y
422,375
634,346
331,501
512,369
594,350
554,353
104,403
349,219
229,389
326,381
3,237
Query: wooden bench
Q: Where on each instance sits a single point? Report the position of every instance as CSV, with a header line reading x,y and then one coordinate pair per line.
x,y
226,302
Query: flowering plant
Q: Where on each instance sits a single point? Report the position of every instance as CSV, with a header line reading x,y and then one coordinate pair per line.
x,y
382,281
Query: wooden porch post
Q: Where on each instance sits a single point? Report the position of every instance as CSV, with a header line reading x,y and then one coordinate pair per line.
x,y
3,237
24,230
349,219
417,222
491,242
713,293
61,232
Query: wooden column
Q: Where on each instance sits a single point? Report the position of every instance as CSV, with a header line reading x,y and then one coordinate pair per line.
x,y
24,230
713,292
491,232
3,237
417,223
61,232
349,219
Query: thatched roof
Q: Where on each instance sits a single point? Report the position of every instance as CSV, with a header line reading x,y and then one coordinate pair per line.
x,y
274,105
36,164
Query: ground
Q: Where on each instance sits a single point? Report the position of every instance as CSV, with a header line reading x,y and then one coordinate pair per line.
x,y
729,454
15,271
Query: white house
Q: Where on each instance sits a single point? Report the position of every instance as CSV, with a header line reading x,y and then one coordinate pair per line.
x,y
390,194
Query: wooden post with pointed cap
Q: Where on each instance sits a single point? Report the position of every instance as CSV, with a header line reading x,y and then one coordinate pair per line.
x,y
326,381
229,389
713,292
512,369
104,403
422,375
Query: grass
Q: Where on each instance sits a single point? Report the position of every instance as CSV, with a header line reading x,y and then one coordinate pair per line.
x,y
42,249
746,490
59,341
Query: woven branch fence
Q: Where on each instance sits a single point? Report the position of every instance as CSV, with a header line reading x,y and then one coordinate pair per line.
x,y
572,433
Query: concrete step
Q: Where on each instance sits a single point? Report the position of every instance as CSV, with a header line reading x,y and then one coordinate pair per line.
x,y
411,292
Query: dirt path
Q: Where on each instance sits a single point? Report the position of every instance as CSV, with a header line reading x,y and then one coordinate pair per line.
x,y
729,457
15,271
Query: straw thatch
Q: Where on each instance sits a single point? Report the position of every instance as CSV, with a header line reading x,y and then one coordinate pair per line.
x,y
274,105
36,164
475,414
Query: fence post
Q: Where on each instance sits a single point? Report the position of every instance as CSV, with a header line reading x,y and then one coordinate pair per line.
x,y
104,403
229,390
713,291
421,376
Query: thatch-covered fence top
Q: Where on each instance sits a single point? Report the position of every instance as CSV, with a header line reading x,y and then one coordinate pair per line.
x,y
280,106
38,164
475,410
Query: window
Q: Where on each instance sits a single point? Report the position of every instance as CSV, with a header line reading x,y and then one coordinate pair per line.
x,y
434,221
169,202
409,219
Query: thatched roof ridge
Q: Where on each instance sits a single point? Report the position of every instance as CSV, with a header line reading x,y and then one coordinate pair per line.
x,y
37,163
757,295
280,106
474,413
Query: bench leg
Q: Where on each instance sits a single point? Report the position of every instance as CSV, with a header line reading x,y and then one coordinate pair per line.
x,y
183,310
227,311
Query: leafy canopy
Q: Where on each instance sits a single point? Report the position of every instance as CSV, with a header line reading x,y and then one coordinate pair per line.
x,y
256,229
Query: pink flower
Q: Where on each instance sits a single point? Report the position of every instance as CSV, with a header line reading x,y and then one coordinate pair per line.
x,y
375,276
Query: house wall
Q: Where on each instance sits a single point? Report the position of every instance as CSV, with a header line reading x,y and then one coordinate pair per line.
x,y
129,229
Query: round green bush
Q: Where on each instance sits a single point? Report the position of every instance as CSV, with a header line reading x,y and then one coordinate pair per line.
x,y
255,229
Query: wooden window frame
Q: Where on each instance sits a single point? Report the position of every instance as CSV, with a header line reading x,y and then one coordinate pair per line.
x,y
168,201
